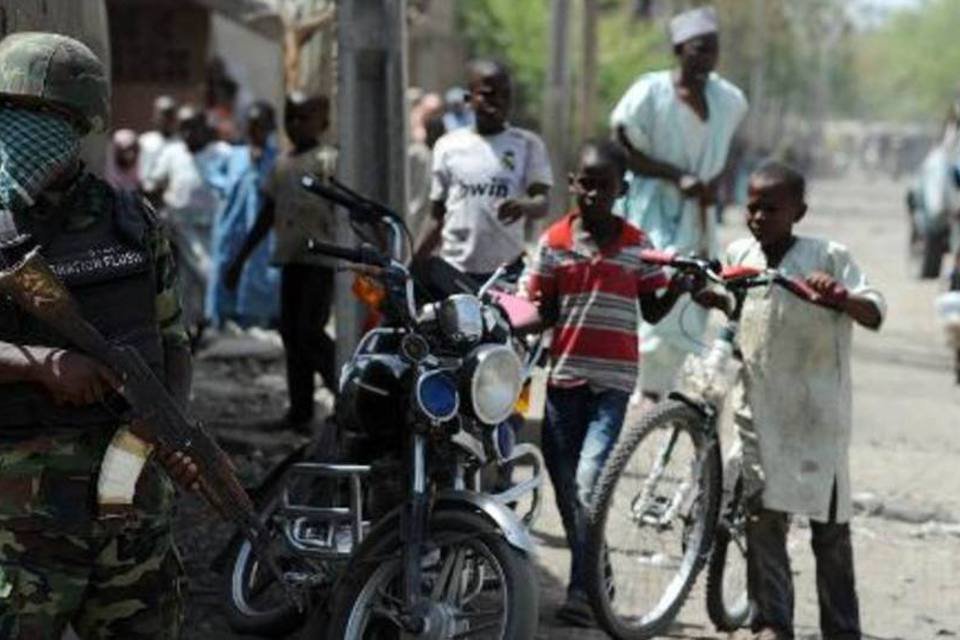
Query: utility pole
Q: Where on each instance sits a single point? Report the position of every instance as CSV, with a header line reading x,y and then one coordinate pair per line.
x,y
557,100
588,71
757,73
372,125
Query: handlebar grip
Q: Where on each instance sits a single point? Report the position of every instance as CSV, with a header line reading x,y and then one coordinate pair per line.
x,y
363,255
735,272
314,185
655,256
799,288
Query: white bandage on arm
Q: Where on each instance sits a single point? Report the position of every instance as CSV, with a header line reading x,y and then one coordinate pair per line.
x,y
122,465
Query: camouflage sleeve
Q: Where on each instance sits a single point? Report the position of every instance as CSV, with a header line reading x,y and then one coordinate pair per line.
x,y
169,312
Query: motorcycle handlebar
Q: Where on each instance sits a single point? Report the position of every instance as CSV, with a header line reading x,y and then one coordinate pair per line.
x,y
355,203
314,185
363,255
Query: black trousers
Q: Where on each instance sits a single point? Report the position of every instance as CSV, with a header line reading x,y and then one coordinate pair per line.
x,y
770,582
306,296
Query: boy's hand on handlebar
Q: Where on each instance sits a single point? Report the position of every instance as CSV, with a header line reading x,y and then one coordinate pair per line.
x,y
686,282
828,288
712,300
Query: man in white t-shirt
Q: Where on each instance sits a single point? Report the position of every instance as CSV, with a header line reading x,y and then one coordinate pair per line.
x,y
487,181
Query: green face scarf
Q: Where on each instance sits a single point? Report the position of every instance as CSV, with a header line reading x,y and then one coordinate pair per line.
x,y
35,148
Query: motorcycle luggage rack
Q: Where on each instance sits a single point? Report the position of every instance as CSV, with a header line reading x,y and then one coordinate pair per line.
x,y
298,515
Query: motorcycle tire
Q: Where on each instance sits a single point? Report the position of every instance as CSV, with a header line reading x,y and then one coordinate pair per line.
x,y
380,554
698,534
243,616
727,611
283,619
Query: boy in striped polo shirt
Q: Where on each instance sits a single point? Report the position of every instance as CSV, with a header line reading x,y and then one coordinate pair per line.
x,y
592,288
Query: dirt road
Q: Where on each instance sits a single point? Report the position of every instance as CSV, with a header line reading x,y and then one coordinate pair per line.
x,y
905,454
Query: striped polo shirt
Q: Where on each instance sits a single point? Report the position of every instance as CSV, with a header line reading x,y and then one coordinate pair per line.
x,y
596,294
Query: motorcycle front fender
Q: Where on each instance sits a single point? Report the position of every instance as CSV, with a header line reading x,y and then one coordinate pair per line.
x,y
506,521
510,526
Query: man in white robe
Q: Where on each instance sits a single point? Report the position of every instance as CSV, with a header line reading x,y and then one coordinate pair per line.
x,y
677,126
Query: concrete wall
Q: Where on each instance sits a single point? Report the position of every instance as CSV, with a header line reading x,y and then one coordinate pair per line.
x,y
159,47
437,53
255,62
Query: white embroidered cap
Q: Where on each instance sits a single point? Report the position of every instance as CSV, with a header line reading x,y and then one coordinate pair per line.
x,y
693,24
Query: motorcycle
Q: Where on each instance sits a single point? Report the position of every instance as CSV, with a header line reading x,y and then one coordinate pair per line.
x,y
388,520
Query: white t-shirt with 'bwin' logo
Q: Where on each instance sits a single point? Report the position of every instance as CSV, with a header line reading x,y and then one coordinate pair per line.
x,y
472,176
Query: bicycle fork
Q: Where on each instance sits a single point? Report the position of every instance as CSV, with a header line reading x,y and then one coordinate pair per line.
x,y
650,509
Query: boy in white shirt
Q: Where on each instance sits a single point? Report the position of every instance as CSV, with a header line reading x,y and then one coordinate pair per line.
x,y
487,180
793,410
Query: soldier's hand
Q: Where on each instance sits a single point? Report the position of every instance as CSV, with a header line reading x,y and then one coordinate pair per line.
x,y
75,379
182,469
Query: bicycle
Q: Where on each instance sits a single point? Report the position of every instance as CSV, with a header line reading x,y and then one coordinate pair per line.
x,y
682,491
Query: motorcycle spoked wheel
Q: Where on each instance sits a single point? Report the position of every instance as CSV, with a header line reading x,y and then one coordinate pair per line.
x,y
479,586
255,603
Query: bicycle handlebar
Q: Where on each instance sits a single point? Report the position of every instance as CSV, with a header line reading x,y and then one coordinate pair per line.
x,y
738,277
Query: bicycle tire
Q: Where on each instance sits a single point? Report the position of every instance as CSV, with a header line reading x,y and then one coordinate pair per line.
x,y
683,416
724,617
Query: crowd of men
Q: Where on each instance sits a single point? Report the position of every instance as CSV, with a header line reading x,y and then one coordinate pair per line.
x,y
240,222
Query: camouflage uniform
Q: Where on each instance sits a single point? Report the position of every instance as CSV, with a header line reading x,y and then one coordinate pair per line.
x,y
60,564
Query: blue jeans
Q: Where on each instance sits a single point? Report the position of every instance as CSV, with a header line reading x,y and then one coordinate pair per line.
x,y
579,431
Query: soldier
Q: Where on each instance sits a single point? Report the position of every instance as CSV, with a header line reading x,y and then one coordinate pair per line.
x,y
60,563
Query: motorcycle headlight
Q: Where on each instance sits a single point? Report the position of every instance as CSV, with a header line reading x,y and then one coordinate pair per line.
x,y
493,376
461,318
437,395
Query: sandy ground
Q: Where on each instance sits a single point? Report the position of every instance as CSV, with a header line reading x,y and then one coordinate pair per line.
x,y
905,455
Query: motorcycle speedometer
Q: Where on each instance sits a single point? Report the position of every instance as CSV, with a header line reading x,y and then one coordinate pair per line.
x,y
461,318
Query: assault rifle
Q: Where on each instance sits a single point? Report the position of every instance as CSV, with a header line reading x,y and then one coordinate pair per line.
x,y
37,290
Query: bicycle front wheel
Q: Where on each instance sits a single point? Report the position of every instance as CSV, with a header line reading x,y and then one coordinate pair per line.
x,y
651,521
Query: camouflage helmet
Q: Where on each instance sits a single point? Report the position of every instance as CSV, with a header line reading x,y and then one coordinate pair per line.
x,y
52,70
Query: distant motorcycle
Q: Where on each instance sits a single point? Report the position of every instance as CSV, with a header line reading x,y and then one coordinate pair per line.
x,y
385,520
929,207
